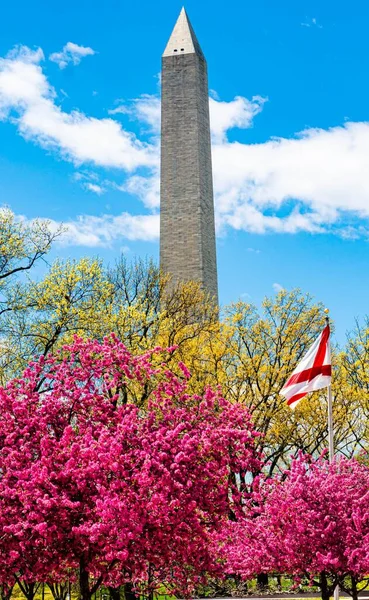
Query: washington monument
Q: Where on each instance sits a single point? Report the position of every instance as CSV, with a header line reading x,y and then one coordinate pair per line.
x,y
187,232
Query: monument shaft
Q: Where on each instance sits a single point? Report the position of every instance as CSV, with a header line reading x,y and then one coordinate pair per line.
x,y
187,232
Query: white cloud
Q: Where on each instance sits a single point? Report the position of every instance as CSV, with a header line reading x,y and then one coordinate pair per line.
x,y
224,116
85,176
28,98
313,22
146,109
277,287
308,183
121,109
146,188
239,113
315,182
104,230
94,187
21,80
71,53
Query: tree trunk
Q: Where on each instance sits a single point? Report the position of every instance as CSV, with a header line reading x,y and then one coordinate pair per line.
x,y
150,592
28,589
129,593
114,593
354,591
59,590
84,584
262,581
324,588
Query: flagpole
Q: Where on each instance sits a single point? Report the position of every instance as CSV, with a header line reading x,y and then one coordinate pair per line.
x,y
336,593
330,425
330,410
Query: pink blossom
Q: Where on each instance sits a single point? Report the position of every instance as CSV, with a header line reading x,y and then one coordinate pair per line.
x,y
311,521
92,482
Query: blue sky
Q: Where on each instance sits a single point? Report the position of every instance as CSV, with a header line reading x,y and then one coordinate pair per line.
x,y
290,124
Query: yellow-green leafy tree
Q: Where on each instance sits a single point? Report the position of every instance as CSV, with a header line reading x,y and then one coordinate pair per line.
x,y
252,360
249,353
23,245
355,372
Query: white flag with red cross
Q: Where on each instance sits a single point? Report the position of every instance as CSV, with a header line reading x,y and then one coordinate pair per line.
x,y
312,373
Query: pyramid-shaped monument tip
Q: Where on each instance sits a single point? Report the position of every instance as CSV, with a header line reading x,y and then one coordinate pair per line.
x,y
183,39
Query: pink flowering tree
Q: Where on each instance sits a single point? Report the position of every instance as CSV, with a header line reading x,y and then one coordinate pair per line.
x,y
312,522
92,484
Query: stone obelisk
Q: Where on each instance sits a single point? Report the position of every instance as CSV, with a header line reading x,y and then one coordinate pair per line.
x,y
187,232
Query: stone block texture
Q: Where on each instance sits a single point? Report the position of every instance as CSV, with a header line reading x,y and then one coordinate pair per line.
x,y
187,231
